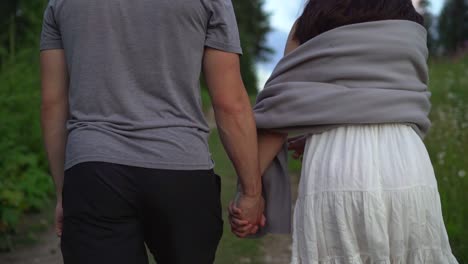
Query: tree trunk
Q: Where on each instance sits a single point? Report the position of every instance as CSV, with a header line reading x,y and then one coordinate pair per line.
x,y
12,36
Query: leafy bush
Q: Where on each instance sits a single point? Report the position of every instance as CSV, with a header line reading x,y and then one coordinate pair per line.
x,y
24,182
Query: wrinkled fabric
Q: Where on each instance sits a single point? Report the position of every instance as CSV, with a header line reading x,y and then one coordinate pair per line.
x,y
368,195
368,73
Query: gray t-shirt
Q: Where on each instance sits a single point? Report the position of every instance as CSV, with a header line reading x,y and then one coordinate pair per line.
x,y
134,69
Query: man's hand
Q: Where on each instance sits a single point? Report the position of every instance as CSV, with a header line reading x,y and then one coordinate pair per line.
x,y
240,228
297,145
246,215
59,219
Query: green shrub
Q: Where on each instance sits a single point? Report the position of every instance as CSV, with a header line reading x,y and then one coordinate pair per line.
x,y
24,182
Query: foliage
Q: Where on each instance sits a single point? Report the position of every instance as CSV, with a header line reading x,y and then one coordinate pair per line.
x,y
447,32
453,26
23,20
254,26
447,143
25,185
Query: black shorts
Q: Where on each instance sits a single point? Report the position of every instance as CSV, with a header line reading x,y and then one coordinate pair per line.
x,y
111,211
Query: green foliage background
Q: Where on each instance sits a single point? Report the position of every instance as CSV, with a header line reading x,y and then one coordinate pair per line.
x,y
453,26
25,185
447,143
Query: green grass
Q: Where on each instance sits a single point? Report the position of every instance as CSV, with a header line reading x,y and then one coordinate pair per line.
x,y
205,98
447,143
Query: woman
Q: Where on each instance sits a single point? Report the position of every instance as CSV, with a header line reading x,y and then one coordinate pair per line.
x,y
354,83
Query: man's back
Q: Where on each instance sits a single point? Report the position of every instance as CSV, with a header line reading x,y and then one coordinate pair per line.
x,y
134,71
138,169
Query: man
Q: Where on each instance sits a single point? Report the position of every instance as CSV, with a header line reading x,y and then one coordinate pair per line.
x,y
125,133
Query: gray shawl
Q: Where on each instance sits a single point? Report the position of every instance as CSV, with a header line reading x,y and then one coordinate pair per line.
x,y
368,73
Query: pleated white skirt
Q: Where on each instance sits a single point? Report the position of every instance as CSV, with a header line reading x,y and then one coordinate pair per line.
x,y
368,195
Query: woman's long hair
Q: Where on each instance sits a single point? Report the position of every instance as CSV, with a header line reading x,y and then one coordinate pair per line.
x,y
320,16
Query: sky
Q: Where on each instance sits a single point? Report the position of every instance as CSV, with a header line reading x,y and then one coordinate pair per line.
x,y
282,18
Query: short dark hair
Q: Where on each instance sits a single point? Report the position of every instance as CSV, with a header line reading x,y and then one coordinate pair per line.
x,y
320,16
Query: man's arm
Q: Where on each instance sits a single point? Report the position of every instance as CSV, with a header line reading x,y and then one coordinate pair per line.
x,y
269,143
54,114
236,124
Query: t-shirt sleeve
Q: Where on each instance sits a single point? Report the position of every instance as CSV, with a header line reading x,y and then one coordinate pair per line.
x,y
51,38
223,32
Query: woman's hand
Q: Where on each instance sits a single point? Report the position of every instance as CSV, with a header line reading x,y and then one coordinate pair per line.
x,y
297,145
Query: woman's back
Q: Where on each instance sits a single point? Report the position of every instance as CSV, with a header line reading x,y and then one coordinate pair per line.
x,y
368,193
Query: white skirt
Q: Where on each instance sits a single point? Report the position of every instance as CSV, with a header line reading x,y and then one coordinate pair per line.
x,y
368,195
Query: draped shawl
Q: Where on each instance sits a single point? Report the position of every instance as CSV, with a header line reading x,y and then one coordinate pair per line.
x,y
367,73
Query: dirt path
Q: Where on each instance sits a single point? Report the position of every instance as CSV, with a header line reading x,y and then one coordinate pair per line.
x,y
277,248
45,251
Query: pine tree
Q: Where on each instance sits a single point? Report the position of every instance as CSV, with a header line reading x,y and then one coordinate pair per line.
x,y
22,23
453,25
253,26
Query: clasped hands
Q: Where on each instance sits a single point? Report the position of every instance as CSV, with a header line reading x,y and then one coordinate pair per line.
x,y
246,213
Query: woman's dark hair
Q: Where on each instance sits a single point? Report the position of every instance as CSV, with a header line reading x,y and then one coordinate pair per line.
x,y
320,16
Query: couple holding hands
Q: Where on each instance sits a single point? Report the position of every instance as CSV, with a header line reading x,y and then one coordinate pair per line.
x,y
127,140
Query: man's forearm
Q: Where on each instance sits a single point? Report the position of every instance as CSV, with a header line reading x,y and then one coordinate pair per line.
x,y
239,135
55,136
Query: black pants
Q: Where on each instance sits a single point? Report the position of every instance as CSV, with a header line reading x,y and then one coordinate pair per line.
x,y
111,211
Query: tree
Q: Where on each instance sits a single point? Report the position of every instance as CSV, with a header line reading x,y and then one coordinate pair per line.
x,y
453,25
22,19
254,26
